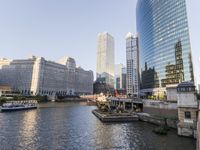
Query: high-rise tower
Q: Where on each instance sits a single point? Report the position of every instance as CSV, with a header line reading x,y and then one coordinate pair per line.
x,y
132,64
164,43
105,59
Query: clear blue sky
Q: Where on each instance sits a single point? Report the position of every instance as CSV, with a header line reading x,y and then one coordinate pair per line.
x,y
57,28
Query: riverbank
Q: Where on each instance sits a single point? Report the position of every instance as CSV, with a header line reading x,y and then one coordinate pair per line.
x,y
71,99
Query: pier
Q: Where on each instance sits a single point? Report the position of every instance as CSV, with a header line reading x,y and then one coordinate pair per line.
x,y
127,104
106,117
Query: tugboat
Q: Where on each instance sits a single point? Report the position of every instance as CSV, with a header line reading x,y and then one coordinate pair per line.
x,y
19,105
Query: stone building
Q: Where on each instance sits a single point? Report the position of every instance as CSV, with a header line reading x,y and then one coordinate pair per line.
x,y
83,87
36,75
187,109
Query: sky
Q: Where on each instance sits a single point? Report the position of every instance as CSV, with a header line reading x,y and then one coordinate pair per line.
x,y
57,28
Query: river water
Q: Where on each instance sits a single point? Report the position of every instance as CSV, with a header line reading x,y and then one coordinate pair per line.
x,y
72,126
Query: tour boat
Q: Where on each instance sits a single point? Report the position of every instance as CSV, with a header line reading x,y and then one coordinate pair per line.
x,y
19,105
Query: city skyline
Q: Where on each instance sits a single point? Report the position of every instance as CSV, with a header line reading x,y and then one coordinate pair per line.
x,y
99,74
48,28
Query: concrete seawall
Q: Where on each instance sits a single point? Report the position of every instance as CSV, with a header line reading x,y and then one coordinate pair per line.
x,y
159,104
172,123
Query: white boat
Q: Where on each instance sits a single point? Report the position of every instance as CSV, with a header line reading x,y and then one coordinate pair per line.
x,y
19,105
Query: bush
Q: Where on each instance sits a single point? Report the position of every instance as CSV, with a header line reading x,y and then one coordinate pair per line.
x,y
41,98
2,100
162,130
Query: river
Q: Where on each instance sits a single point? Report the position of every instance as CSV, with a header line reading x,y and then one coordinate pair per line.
x,y
72,126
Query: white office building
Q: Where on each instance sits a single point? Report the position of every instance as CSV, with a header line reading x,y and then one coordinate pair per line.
x,y
105,59
36,75
132,62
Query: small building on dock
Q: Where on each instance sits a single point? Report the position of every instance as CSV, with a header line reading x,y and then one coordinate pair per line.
x,y
187,109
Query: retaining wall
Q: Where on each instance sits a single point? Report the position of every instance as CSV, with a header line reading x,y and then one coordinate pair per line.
x,y
172,123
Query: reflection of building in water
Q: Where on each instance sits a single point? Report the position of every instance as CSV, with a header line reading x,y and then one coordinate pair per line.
x,y
150,78
29,128
100,86
150,83
175,72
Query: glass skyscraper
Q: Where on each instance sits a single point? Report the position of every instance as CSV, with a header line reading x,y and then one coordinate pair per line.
x,y
164,42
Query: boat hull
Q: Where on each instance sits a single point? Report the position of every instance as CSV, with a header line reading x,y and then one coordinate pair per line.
x,y
17,109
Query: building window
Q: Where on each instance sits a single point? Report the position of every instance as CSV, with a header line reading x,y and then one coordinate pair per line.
x,y
187,115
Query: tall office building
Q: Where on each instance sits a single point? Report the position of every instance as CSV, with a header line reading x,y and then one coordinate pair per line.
x,y
164,43
132,62
105,59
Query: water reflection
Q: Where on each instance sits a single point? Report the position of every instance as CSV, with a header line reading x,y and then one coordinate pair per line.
x,y
73,126
28,129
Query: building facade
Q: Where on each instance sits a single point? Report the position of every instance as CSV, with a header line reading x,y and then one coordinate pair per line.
x,y
164,43
118,76
124,78
38,76
132,65
84,80
105,59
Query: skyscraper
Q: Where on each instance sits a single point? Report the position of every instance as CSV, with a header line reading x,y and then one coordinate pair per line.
x,y
105,59
118,76
164,43
132,62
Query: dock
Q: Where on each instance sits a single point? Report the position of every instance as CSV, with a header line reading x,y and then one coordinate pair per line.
x,y
106,117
